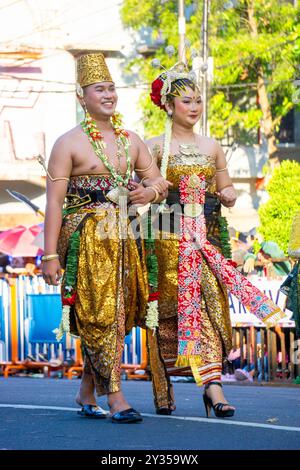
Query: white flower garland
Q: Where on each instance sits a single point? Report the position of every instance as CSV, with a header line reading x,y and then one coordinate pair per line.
x,y
152,315
64,326
166,154
166,147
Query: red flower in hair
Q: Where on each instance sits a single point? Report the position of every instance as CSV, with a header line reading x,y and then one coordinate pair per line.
x,y
155,94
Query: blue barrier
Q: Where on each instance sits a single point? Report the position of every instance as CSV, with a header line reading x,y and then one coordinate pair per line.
x,y
2,331
44,314
38,313
5,342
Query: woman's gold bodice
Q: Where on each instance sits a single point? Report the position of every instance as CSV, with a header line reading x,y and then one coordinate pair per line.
x,y
192,163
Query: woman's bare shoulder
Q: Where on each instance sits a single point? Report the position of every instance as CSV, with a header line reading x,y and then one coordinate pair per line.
x,y
208,144
154,141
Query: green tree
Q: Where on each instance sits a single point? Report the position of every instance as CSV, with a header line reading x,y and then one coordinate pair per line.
x,y
256,49
277,213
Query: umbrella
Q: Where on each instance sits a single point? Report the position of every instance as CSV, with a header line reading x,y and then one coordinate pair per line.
x,y
18,241
39,239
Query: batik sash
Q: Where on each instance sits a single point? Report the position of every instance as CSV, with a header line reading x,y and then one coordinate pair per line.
x,y
192,246
192,221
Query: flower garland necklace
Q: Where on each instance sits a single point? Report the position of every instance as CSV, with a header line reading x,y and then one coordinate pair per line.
x,y
166,147
95,137
151,259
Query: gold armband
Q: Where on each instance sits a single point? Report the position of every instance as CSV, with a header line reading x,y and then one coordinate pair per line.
x,y
41,161
50,257
221,169
148,167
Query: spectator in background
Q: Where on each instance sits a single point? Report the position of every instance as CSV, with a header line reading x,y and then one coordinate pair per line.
x,y
244,372
269,256
239,250
270,250
269,260
4,261
19,265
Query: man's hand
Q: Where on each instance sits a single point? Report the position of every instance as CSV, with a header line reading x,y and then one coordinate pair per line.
x,y
52,272
140,195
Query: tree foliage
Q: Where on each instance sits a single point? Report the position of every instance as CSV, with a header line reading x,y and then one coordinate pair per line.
x,y
277,213
241,55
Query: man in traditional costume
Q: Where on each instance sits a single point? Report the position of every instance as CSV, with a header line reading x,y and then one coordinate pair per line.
x,y
96,238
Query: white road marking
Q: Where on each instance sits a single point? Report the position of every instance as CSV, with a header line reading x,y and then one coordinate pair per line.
x,y
227,422
181,418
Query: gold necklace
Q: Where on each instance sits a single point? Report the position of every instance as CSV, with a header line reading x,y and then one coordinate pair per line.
x,y
187,149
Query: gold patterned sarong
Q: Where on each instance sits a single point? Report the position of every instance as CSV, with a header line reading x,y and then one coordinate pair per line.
x,y
111,289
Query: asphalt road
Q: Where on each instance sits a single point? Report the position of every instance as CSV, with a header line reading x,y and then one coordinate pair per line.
x,y
40,414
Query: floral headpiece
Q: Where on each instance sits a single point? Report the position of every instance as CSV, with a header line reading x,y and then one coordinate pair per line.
x,y
161,86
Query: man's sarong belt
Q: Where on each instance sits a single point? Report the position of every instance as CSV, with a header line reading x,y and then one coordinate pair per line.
x,y
83,197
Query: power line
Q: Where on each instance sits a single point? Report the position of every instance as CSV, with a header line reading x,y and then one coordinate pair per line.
x,y
96,35
252,84
143,85
15,77
19,65
10,4
41,28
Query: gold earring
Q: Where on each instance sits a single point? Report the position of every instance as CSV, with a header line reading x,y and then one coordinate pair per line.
x,y
79,91
84,107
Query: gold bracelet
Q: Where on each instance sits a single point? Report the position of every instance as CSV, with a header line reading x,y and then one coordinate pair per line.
x,y
144,178
156,194
50,257
157,188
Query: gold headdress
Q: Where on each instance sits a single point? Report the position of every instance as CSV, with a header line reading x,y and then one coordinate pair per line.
x,y
92,68
161,87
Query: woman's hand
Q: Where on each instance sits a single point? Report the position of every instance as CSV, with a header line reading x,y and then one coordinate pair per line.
x,y
227,196
52,272
159,183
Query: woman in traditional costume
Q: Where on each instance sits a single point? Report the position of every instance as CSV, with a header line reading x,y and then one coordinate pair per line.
x,y
194,271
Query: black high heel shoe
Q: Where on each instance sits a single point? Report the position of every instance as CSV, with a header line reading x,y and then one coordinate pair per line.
x,y
165,410
217,407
